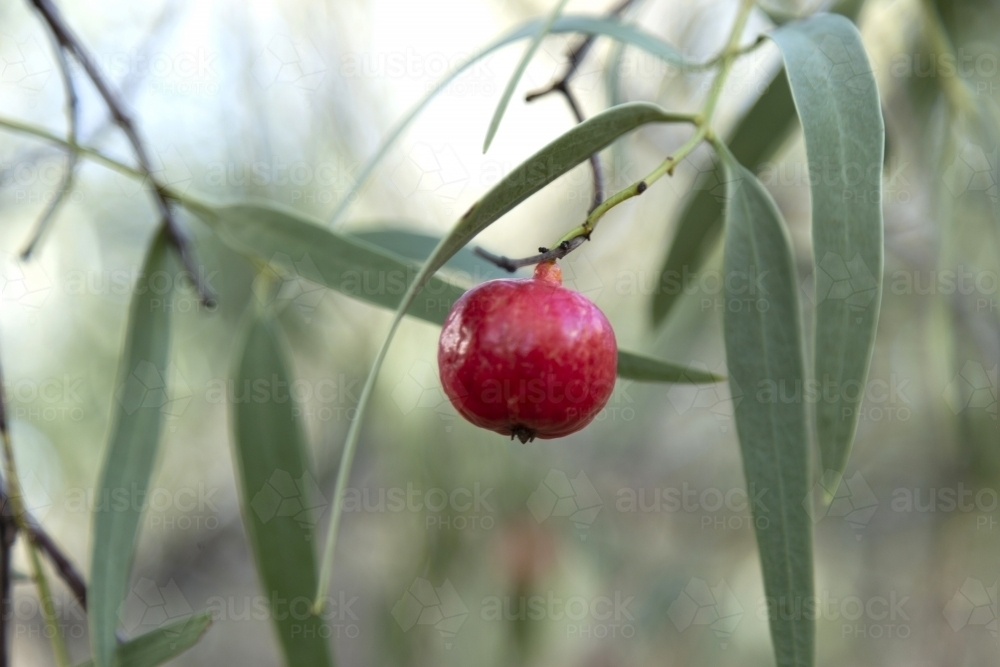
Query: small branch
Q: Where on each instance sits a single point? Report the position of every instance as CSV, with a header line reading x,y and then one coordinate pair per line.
x,y
8,533
66,183
68,40
62,564
575,56
512,265
595,159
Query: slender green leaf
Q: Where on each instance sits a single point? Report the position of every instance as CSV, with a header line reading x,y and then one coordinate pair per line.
x,y
838,105
128,462
765,359
986,132
756,139
159,646
646,369
271,462
515,78
565,24
347,264
289,242
529,177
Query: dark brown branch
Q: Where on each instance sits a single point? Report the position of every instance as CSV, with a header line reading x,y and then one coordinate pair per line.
x,y
62,564
574,58
69,41
544,254
8,532
36,534
576,55
595,159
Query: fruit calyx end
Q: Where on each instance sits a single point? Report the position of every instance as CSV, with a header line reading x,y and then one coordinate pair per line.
x,y
522,433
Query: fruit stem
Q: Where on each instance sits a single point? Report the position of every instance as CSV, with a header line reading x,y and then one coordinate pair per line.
x,y
549,271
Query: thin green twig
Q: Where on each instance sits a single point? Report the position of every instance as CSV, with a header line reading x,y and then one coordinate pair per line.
x,y
37,573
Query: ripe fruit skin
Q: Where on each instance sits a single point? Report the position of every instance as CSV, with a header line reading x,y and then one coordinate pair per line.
x,y
527,358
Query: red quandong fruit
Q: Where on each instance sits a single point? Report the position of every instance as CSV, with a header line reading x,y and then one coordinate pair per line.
x,y
528,358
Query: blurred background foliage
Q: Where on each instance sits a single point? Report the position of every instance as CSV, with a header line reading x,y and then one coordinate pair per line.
x,y
285,101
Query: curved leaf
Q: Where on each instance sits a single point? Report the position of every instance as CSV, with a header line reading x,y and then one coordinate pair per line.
x,y
159,646
582,24
271,462
764,356
289,242
838,105
529,53
128,463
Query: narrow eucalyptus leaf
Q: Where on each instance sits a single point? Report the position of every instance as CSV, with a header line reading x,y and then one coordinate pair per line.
x,y
136,420
838,105
163,644
271,464
764,355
